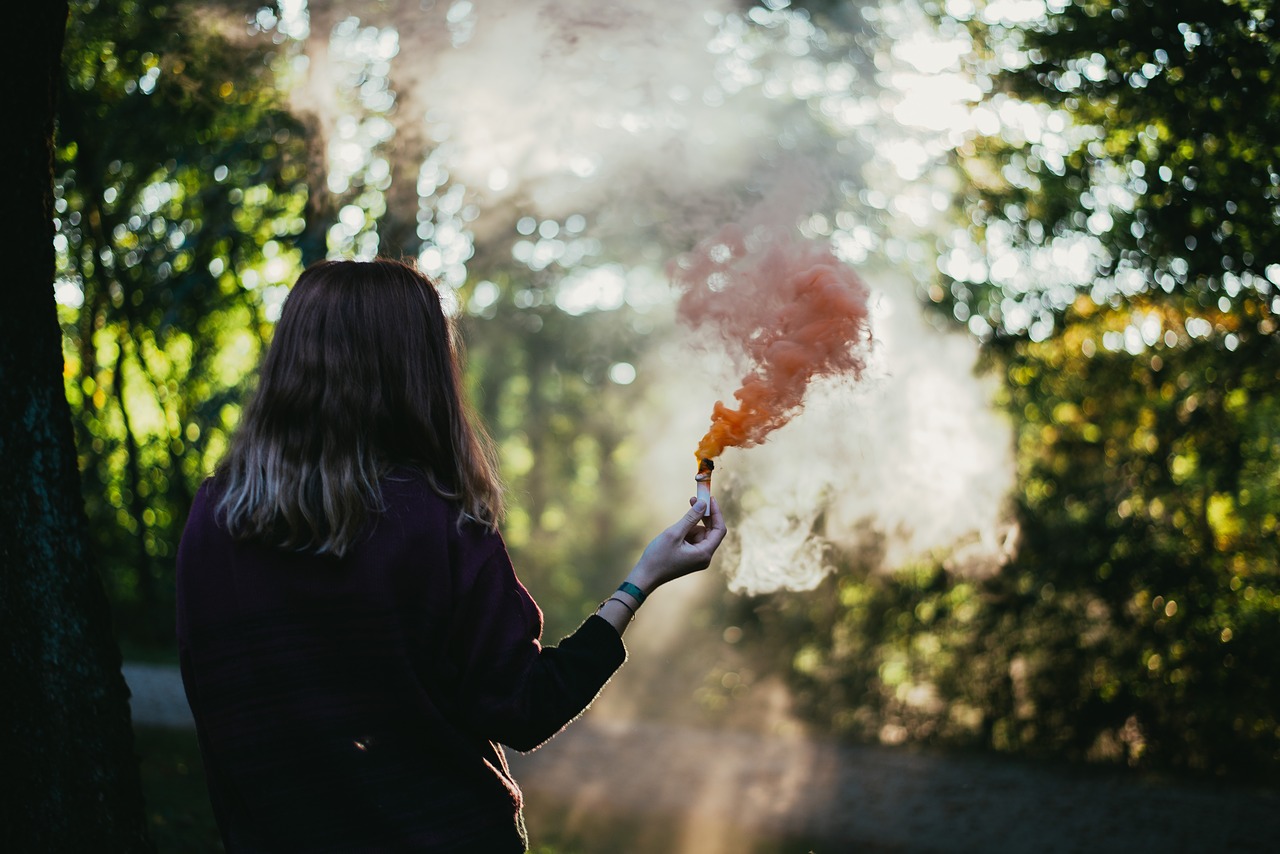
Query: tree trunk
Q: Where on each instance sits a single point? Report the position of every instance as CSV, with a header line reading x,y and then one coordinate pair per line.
x,y
68,775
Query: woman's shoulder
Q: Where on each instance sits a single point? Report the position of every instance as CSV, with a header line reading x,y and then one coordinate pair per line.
x,y
202,535
204,503
409,494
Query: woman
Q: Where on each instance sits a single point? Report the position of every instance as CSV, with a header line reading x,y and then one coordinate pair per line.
x,y
354,642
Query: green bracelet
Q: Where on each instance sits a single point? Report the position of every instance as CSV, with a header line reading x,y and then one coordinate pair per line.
x,y
631,590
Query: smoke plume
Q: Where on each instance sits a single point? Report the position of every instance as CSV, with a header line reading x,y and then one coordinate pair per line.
x,y
792,310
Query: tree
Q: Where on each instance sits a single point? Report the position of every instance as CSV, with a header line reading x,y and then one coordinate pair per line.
x,y
173,248
70,778
1123,217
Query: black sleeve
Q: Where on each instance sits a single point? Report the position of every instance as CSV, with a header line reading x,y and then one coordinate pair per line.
x,y
514,690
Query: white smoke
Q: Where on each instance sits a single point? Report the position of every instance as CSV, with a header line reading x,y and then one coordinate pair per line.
x,y
556,107
911,463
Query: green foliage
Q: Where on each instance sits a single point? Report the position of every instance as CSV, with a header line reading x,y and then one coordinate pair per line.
x,y
1148,500
1146,590
1118,258
887,657
1156,147
178,175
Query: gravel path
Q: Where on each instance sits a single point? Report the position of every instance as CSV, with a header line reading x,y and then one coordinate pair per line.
x,y
710,788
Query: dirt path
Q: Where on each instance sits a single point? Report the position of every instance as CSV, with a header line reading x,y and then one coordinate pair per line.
x,y
719,789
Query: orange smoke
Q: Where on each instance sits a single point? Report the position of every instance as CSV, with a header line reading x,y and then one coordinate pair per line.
x,y
795,310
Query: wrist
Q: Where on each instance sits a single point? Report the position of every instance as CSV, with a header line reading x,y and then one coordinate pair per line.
x,y
641,577
616,612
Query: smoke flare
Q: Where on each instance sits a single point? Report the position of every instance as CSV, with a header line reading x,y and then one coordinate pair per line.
x,y
796,311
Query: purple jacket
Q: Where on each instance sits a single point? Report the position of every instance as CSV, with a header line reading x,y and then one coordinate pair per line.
x,y
357,704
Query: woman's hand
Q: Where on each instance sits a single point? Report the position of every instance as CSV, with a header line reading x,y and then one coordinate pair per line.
x,y
685,547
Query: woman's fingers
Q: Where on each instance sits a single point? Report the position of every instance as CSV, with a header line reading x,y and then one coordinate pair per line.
x,y
715,530
686,546
699,542
689,520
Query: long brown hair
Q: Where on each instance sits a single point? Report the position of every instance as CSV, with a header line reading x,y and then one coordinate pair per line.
x,y
362,376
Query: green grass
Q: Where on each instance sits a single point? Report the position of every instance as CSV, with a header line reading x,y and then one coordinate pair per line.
x,y
178,809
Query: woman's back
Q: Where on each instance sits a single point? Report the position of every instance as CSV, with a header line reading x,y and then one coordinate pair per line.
x,y
350,702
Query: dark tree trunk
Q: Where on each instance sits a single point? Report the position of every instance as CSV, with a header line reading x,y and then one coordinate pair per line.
x,y
68,774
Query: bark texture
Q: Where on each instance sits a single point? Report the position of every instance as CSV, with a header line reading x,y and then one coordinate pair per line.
x,y
68,774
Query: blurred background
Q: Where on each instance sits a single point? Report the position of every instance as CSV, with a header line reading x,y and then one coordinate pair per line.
x,y
1043,523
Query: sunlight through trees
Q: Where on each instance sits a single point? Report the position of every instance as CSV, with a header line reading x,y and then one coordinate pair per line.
x,y
1088,190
